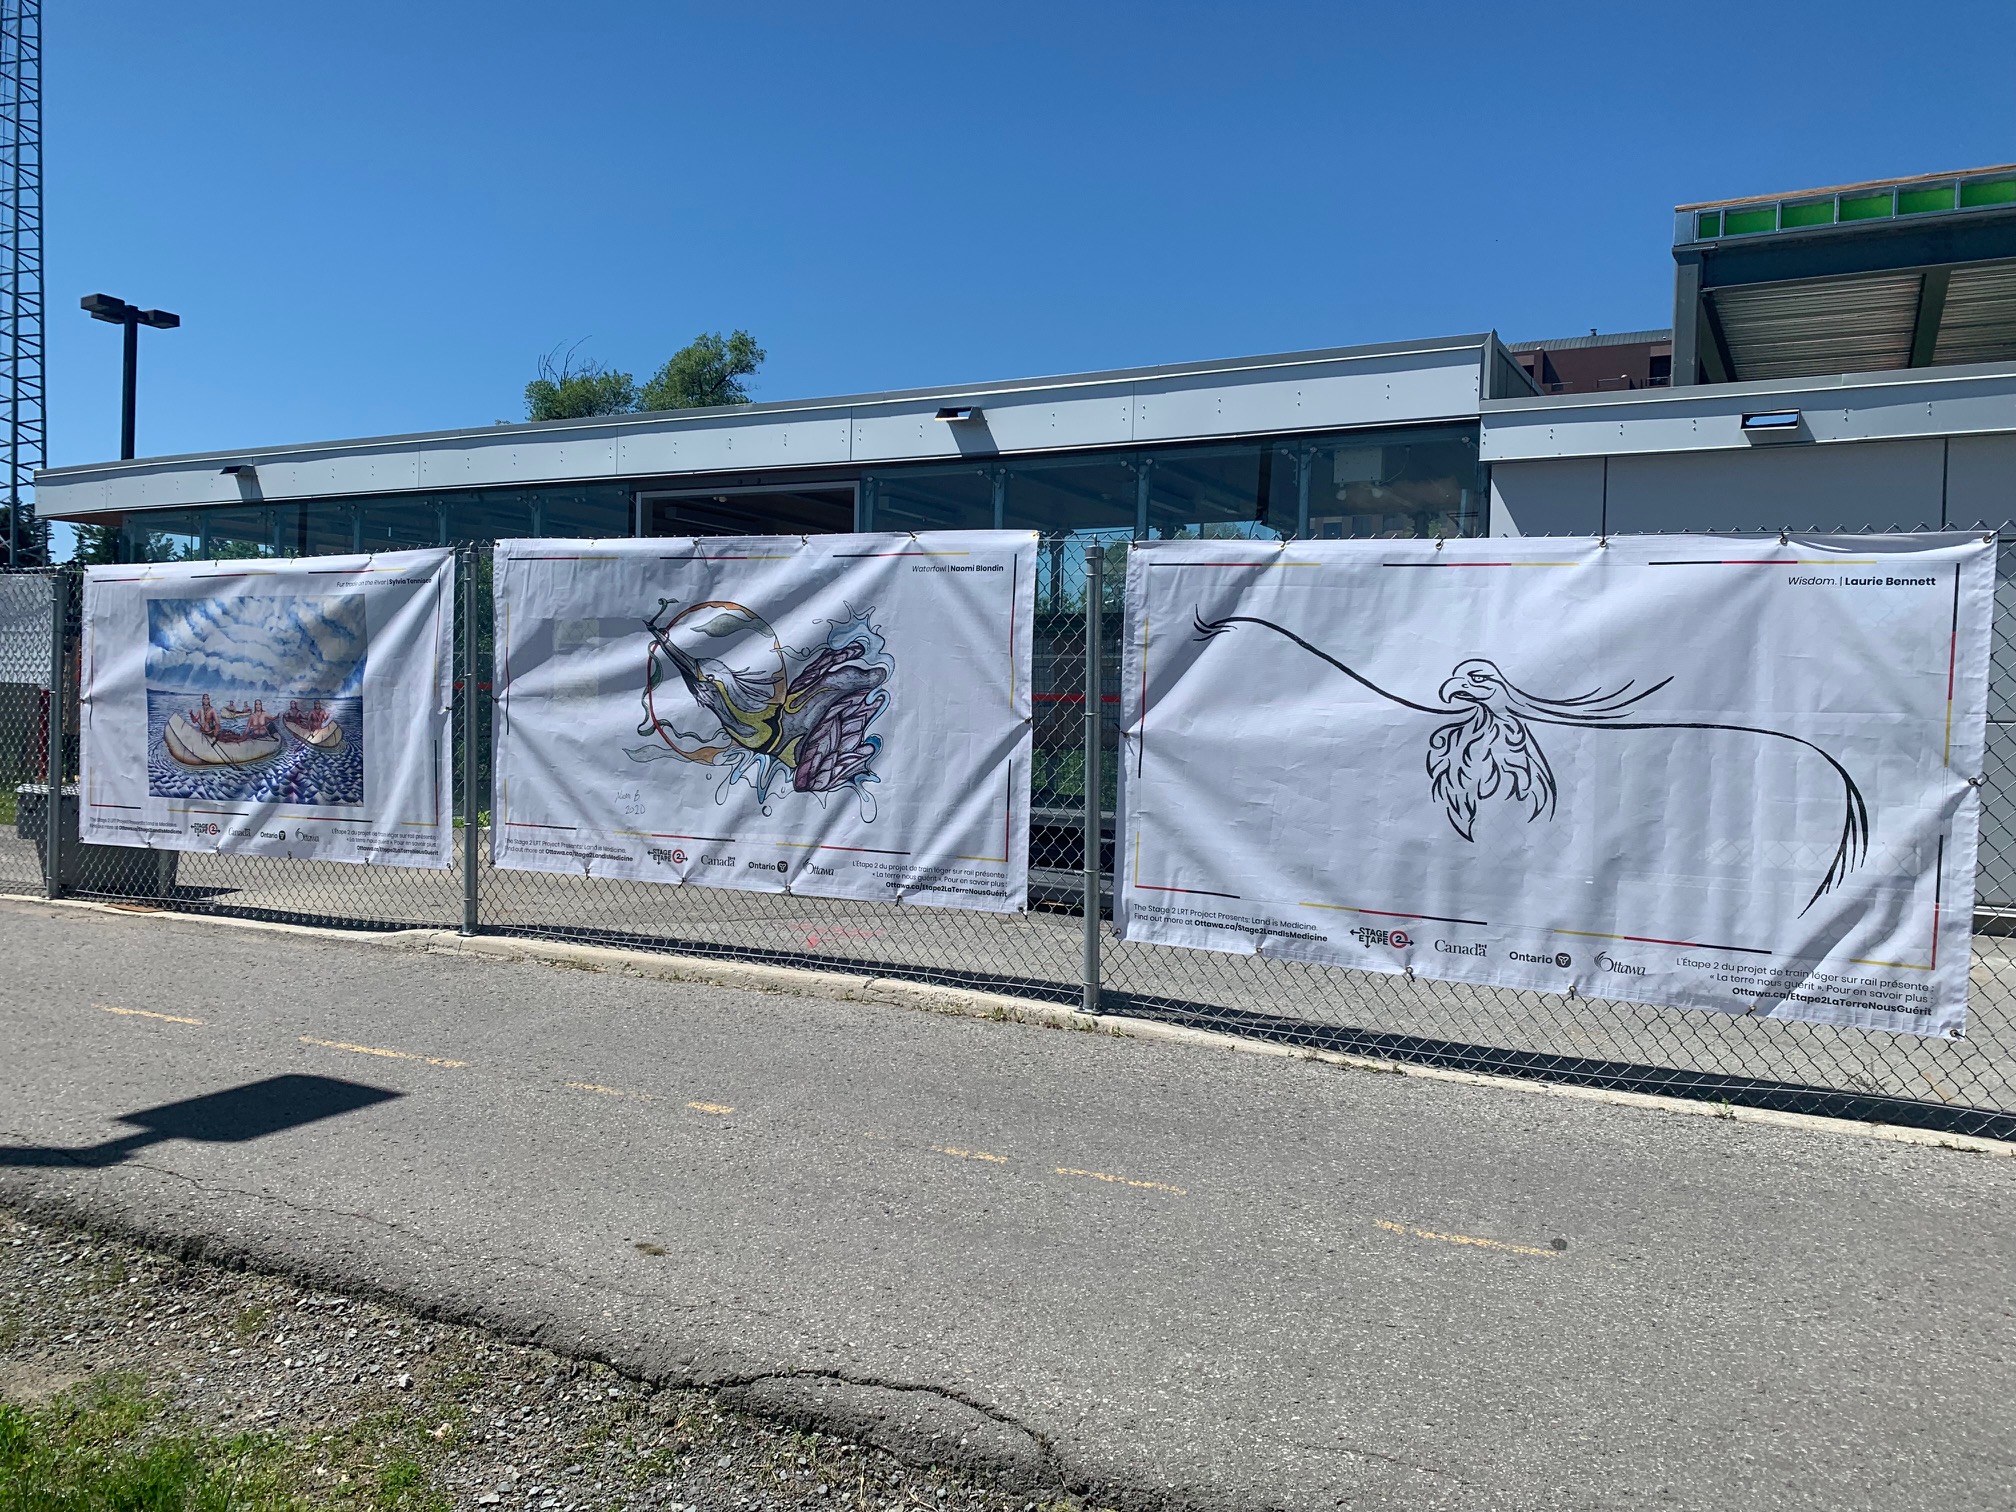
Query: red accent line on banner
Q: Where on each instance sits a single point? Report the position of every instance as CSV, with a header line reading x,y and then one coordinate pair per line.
x,y
863,556
1592,934
1938,896
1480,564
859,850
1235,564
1766,562
779,557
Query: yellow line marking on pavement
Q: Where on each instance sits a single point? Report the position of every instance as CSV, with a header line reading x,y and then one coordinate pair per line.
x,y
166,1018
953,1150
1146,1186
1492,1244
705,1107
602,1091
432,1060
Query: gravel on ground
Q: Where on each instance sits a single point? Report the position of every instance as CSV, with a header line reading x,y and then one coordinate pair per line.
x,y
363,1405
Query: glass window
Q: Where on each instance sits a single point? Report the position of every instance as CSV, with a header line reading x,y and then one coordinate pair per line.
x,y
1228,492
491,515
162,535
329,527
956,498
1065,494
1394,486
748,511
593,511
399,522
240,532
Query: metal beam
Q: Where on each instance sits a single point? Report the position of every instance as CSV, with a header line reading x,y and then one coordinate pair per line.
x,y
1840,251
1715,349
1686,320
1931,307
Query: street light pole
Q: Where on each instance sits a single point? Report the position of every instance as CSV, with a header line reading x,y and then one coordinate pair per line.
x,y
129,387
117,312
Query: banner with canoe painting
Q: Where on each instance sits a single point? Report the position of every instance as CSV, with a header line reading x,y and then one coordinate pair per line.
x,y
1722,772
273,708
841,716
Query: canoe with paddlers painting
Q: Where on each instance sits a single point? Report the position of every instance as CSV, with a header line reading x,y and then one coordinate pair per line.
x,y
192,747
324,737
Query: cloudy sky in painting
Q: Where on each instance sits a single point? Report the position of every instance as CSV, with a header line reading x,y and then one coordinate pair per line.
x,y
308,646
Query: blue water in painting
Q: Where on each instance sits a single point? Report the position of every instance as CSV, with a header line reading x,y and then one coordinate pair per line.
x,y
296,773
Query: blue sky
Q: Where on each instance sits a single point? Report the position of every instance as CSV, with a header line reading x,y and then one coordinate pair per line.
x,y
373,218
271,645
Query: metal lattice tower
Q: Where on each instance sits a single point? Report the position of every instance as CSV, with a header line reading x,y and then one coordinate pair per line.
x,y
22,389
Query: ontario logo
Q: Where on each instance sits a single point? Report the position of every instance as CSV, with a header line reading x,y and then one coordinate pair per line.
x,y
1562,960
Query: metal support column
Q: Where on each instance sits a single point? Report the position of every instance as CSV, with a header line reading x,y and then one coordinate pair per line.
x,y
472,724
1095,568
1303,462
57,755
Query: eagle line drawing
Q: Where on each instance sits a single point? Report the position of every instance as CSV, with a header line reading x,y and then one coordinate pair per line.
x,y
1490,750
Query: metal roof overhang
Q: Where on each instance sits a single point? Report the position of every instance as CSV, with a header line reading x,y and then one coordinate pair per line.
x,y
1332,389
1974,400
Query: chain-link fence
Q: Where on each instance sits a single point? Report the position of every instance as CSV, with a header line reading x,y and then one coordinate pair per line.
x,y
1966,1086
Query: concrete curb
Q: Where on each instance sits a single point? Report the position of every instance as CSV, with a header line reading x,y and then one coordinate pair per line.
x,y
969,1002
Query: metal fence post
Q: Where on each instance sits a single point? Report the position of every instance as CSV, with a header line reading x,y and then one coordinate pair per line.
x,y
56,757
1095,566
471,726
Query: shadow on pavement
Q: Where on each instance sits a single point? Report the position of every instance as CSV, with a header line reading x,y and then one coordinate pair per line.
x,y
232,1116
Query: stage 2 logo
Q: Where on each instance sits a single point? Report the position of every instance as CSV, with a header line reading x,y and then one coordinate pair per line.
x,y
203,829
1399,939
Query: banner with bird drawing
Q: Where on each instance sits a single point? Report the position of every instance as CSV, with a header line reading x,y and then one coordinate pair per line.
x,y
1733,773
842,716
271,708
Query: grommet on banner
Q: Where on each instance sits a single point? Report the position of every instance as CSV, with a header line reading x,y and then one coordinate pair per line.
x,y
1438,543
1976,781
1410,972
1785,536
1603,543
1571,992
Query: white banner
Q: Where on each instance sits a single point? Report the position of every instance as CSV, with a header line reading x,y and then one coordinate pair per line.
x,y
1712,772
843,716
272,708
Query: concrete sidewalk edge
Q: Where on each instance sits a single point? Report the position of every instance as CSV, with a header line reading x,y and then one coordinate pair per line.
x,y
970,1002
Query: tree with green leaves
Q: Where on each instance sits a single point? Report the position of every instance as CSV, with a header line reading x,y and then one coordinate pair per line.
x,y
706,372
31,547
569,390
97,545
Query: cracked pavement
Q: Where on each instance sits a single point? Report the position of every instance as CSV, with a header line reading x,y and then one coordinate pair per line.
x,y
1148,1273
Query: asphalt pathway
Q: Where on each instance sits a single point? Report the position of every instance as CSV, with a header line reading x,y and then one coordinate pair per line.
x,y
1153,1272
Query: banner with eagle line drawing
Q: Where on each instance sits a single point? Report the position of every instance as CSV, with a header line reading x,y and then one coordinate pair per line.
x,y
272,708
1729,773
843,716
